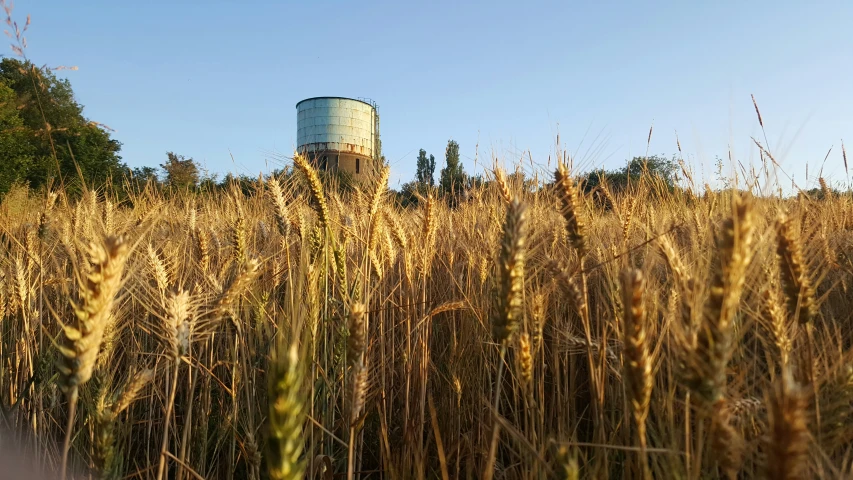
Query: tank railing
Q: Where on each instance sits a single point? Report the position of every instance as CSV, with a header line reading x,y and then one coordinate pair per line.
x,y
368,100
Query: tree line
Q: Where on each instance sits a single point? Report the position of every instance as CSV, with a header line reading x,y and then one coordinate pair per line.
x,y
45,139
455,182
44,135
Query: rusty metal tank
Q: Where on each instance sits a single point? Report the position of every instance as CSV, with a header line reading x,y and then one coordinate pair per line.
x,y
338,133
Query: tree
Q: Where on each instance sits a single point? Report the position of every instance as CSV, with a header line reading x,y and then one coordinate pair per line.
x,y
48,133
144,174
411,193
383,162
658,167
426,169
16,151
453,174
181,172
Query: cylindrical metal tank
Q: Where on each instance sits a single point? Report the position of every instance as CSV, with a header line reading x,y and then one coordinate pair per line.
x,y
338,133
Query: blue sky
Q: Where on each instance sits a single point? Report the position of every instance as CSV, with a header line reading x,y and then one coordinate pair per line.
x,y
218,80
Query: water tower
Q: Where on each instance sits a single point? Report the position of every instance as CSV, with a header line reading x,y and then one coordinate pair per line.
x,y
339,134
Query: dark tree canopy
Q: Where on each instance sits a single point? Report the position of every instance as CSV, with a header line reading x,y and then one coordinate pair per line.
x,y
411,192
16,151
144,174
618,180
453,178
43,133
426,168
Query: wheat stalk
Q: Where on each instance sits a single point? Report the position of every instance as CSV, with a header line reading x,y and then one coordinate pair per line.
x,y
714,339
105,422
510,300
178,326
684,281
787,439
237,287
726,442
356,348
637,363
713,348
286,416
511,272
83,338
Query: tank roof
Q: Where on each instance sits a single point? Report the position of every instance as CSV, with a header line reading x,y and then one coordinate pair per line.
x,y
339,98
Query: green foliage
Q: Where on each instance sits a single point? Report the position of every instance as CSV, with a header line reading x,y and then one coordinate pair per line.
x,y
426,168
244,183
411,193
16,152
453,177
383,162
43,133
181,172
144,174
655,166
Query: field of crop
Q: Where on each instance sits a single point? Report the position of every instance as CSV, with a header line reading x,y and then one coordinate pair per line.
x,y
297,330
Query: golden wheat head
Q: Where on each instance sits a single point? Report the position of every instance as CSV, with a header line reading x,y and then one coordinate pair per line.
x,y
97,294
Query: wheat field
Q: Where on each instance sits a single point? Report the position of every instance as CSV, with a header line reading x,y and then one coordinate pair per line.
x,y
300,331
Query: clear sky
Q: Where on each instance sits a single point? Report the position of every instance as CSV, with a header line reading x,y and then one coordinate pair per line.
x,y
214,79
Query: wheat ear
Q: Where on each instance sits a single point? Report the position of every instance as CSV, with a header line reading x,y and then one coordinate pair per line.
x,y
503,185
824,189
159,270
376,220
356,348
83,339
726,442
836,396
795,279
637,362
525,359
510,302
511,268
714,339
105,422
777,318
281,215
178,330
428,231
787,439
318,198
202,241
356,341
225,303
683,279
286,416
570,208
